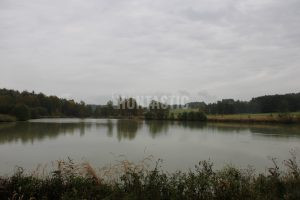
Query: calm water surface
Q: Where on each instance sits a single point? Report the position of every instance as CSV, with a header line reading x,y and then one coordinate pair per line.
x,y
180,145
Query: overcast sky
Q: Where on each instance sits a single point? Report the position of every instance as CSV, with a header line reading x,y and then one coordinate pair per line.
x,y
206,49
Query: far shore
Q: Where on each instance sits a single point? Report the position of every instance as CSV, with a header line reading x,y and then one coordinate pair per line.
x,y
257,118
280,118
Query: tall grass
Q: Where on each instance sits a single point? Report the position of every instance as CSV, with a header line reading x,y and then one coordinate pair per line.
x,y
127,180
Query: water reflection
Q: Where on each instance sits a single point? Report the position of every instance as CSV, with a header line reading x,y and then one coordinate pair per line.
x,y
38,130
29,132
127,129
157,127
179,144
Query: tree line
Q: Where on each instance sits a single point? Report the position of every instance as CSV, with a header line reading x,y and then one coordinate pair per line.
x,y
26,105
263,104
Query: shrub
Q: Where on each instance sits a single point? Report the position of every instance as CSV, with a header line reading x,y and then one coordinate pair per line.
x,y
37,112
171,116
22,112
200,116
149,115
192,116
182,116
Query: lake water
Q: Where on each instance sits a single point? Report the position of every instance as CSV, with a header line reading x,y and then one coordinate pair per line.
x,y
179,145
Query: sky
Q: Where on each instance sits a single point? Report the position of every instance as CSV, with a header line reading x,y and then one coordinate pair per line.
x,y
92,50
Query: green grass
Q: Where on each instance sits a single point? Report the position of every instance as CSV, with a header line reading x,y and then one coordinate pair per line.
x,y
293,117
7,118
264,117
130,181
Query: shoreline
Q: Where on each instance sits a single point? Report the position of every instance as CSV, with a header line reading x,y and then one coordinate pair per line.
x,y
288,119
271,118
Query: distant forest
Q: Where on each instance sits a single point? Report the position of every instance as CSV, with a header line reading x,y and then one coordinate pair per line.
x,y
25,105
263,104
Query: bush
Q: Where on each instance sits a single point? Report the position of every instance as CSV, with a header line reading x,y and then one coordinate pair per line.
x,y
22,112
182,116
192,116
201,116
148,115
171,116
37,112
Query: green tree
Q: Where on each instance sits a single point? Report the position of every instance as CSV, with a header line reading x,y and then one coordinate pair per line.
x,y
171,116
22,112
129,107
200,116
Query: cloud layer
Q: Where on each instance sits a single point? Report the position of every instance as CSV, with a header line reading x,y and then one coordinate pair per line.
x,y
211,49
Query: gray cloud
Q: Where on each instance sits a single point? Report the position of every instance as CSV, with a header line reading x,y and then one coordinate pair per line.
x,y
89,50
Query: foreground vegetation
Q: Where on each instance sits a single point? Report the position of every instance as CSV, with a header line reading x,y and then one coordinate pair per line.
x,y
129,181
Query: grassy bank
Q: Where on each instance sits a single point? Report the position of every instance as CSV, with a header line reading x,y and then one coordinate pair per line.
x,y
129,181
265,117
7,118
293,117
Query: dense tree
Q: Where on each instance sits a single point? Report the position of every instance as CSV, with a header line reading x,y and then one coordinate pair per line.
x,y
192,116
263,104
22,112
129,108
105,110
157,110
40,105
199,105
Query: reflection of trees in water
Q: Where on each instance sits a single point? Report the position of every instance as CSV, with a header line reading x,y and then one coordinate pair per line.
x,y
127,129
191,124
157,127
276,130
109,124
29,132
110,128
227,127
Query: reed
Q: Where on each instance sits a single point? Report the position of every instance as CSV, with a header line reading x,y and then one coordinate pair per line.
x,y
126,180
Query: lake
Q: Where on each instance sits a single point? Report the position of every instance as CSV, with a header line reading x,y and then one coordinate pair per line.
x,y
180,145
